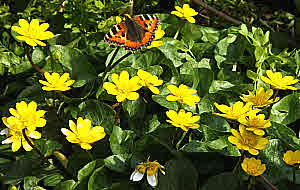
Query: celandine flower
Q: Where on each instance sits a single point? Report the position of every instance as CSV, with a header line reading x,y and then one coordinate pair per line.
x,y
255,123
158,35
152,172
183,95
236,111
261,98
82,133
183,120
253,167
27,116
246,140
15,136
185,12
149,81
123,88
291,157
32,33
56,82
278,82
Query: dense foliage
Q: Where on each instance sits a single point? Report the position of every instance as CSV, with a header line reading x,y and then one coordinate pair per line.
x,y
210,105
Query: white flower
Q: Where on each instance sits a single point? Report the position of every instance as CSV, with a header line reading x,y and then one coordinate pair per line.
x,y
152,172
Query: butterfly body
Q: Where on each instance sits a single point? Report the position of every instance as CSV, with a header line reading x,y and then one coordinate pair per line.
x,y
134,33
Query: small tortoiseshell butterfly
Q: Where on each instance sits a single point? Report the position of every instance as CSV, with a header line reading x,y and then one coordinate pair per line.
x,y
134,33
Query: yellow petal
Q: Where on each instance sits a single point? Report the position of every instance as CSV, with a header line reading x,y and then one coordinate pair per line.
x,y
191,19
177,14
133,96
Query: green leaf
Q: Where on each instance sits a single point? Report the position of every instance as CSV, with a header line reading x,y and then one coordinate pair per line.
x,y
86,170
195,146
223,48
37,55
272,157
191,32
218,144
47,147
287,110
261,53
153,124
244,30
52,180
210,34
259,38
135,109
116,163
252,75
215,122
161,100
99,113
218,85
174,180
82,69
66,185
122,141
284,133
100,179
64,55
225,181
171,50
206,104
30,182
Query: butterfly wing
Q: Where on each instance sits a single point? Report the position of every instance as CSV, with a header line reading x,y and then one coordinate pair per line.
x,y
134,34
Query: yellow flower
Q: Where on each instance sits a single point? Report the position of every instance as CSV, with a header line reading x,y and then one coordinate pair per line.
x,y
183,120
183,94
255,123
152,172
15,136
82,133
26,116
149,81
253,167
236,111
278,82
32,33
291,157
56,82
118,19
123,87
158,35
261,98
185,12
248,141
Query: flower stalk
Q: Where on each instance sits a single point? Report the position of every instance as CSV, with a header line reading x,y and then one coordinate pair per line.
x,y
268,182
181,139
31,62
34,148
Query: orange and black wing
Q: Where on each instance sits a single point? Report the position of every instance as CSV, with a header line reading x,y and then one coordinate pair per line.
x,y
134,34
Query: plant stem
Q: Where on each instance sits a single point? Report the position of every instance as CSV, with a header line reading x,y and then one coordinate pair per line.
x,y
177,32
33,147
294,176
31,62
90,155
270,107
117,115
268,182
181,139
238,163
131,6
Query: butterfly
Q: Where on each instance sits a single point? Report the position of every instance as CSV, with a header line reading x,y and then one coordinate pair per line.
x,y
134,33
